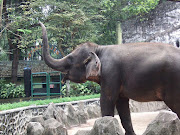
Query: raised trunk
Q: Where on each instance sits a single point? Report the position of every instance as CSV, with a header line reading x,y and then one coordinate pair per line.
x,y
57,64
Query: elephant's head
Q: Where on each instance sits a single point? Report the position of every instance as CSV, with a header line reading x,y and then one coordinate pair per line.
x,y
80,65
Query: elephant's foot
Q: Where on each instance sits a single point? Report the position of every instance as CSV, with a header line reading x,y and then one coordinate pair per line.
x,y
130,133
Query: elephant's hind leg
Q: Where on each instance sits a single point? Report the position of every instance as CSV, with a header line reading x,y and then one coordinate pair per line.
x,y
172,100
122,106
175,107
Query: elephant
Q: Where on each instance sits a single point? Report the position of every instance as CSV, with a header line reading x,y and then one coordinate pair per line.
x,y
139,71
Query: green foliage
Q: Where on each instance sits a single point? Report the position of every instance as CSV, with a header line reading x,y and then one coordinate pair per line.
x,y
11,90
3,55
81,89
93,87
71,22
139,7
118,11
24,31
8,106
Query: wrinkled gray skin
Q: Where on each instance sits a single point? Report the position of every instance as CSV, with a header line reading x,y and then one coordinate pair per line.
x,y
139,71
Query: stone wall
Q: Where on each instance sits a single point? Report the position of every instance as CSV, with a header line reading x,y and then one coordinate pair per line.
x,y
15,121
161,25
36,66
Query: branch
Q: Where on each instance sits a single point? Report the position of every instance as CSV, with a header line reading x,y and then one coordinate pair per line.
x,y
60,49
162,33
4,29
14,33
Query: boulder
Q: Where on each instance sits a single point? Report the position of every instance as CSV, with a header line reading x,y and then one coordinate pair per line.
x,y
72,116
63,117
106,126
38,119
146,106
53,127
52,112
34,128
93,111
83,132
166,123
82,113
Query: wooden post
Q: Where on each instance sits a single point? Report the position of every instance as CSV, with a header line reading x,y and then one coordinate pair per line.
x,y
1,9
119,33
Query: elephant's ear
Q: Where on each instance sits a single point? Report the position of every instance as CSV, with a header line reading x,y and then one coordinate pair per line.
x,y
93,65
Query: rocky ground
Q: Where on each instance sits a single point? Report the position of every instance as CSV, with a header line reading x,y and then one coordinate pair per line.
x,y
139,120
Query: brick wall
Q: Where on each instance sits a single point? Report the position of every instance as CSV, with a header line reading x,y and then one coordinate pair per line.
x,y
36,66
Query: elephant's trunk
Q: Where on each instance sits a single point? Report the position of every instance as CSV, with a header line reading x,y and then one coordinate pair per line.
x,y
57,64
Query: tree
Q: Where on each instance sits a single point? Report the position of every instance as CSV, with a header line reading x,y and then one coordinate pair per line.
x,y
118,11
11,23
69,23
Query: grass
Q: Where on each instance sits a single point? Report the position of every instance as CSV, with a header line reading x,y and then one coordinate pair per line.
x,y
8,106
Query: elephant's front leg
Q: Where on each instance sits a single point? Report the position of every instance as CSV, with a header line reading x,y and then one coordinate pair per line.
x,y
107,105
122,106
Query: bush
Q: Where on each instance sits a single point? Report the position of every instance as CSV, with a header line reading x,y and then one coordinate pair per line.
x,y
93,87
11,90
81,89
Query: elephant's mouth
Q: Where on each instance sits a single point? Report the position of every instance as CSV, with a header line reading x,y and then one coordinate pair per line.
x,y
65,77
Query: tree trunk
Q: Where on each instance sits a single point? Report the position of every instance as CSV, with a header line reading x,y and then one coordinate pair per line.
x,y
15,52
4,11
15,63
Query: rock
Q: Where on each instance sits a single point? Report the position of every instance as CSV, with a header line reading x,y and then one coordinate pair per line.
x,y
82,117
63,117
93,111
72,116
146,106
166,123
106,126
49,112
53,127
52,112
82,113
38,119
34,128
83,132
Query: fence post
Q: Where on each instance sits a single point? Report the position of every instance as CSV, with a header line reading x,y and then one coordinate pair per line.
x,y
27,81
47,84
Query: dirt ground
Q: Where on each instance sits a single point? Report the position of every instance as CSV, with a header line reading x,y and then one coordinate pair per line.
x,y
140,122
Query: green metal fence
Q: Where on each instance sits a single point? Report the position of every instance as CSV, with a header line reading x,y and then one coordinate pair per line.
x,y
47,83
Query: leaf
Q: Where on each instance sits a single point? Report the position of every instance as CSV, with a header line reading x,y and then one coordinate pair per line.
x,y
25,31
21,30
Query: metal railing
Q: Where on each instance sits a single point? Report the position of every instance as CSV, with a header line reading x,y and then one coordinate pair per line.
x,y
47,83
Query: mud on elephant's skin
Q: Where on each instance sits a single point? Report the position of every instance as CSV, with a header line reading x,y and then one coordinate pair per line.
x,y
140,71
